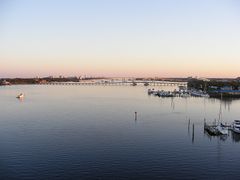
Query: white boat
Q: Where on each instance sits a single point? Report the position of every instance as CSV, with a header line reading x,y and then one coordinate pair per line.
x,y
222,129
20,96
199,93
134,84
184,95
151,91
217,128
236,126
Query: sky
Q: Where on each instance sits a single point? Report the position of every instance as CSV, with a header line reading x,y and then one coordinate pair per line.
x,y
120,38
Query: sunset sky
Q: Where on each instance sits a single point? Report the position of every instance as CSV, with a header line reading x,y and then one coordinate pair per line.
x,y
139,38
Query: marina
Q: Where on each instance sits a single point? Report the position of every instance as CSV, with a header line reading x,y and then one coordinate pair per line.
x,y
178,93
222,129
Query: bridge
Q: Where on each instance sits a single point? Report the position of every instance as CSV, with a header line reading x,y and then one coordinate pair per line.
x,y
120,83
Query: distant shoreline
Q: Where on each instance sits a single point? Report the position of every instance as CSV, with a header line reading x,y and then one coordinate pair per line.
x,y
227,88
45,80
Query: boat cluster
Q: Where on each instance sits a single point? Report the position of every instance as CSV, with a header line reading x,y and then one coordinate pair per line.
x,y
198,93
179,93
221,129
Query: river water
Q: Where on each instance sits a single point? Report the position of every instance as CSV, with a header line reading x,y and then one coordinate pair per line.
x,y
90,132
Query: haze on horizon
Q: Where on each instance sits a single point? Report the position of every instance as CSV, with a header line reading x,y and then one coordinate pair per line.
x,y
165,38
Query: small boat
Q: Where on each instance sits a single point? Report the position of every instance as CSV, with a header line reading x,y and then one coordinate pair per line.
x,y
223,130
211,129
236,126
220,127
184,95
199,93
20,96
150,91
215,130
146,84
134,84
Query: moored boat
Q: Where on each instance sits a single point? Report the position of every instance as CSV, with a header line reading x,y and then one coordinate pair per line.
x,y
220,127
20,96
223,130
151,91
211,129
236,126
217,128
134,84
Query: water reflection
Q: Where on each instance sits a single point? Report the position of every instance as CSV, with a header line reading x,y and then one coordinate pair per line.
x,y
193,133
193,130
235,137
172,103
94,132
219,137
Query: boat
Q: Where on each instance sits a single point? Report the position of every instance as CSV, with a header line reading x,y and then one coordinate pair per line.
x,y
217,128
211,129
220,127
184,95
134,84
223,130
236,126
146,84
151,91
199,93
20,96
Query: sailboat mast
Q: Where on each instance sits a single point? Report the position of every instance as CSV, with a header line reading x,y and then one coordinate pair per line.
x,y
220,111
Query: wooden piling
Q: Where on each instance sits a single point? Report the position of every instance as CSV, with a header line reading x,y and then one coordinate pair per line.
x,y
135,114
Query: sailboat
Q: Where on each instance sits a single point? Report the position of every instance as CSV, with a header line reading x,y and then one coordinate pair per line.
x,y
223,130
219,126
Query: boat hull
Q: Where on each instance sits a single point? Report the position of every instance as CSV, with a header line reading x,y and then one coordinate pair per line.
x,y
236,130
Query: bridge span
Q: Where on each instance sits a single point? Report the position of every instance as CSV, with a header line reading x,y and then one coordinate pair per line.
x,y
120,83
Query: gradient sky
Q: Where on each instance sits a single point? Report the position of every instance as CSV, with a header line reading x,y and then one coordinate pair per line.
x,y
164,38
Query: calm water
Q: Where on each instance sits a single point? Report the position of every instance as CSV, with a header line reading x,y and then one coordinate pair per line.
x,y
76,132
